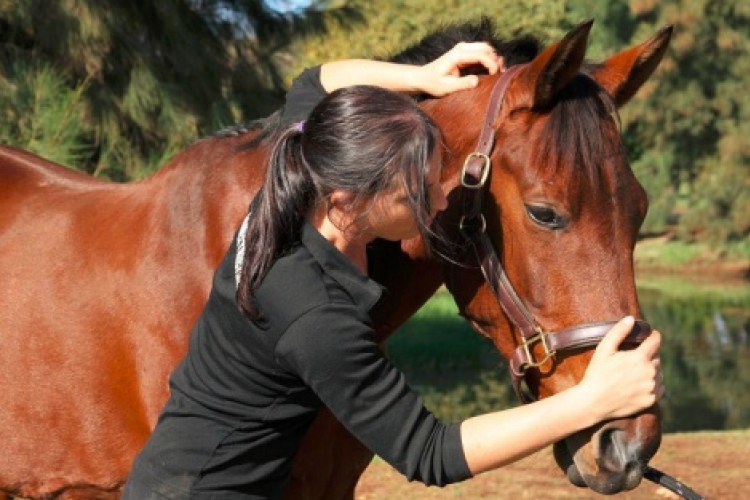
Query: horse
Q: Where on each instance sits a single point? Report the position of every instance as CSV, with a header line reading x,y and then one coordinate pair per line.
x,y
103,281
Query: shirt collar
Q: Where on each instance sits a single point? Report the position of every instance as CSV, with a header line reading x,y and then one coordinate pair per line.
x,y
363,290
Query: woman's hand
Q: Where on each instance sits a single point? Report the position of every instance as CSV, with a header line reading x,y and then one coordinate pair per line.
x,y
622,383
443,75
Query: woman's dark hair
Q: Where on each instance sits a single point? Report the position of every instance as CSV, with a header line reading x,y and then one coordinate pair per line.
x,y
358,139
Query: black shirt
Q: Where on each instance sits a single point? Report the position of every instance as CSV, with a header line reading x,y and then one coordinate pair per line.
x,y
246,392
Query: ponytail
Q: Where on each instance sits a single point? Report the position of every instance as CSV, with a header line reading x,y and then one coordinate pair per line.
x,y
276,215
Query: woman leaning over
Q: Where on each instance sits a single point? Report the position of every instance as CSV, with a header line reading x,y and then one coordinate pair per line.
x,y
286,328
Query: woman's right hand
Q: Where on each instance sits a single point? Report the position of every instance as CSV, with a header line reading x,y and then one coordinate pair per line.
x,y
623,382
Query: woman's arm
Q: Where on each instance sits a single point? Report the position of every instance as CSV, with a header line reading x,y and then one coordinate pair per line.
x,y
617,384
441,76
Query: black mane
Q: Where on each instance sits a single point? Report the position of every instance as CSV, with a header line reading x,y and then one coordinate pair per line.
x,y
515,51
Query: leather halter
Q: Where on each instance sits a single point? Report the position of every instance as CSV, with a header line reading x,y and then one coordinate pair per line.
x,y
474,175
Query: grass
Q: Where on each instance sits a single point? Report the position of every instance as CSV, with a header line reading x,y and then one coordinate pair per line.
x,y
438,338
457,372
668,253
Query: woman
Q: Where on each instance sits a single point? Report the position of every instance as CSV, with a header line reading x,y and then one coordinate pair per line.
x,y
286,327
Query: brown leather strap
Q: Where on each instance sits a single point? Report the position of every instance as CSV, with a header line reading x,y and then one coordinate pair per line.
x,y
497,279
578,337
477,166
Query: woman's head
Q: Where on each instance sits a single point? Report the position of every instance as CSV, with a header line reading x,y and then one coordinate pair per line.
x,y
368,141
374,146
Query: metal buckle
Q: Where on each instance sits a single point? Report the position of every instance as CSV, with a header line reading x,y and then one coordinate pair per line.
x,y
541,336
485,170
464,228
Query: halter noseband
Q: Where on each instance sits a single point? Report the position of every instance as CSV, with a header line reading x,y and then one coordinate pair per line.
x,y
474,175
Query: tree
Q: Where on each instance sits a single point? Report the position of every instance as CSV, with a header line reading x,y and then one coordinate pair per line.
x,y
687,129
139,80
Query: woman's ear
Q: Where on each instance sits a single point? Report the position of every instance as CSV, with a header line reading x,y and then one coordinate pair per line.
x,y
342,201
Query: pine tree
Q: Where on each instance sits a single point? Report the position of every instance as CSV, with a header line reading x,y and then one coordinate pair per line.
x,y
145,77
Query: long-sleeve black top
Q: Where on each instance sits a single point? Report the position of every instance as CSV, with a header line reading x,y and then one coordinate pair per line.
x,y
246,392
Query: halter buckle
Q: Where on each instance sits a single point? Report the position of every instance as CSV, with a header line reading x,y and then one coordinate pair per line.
x,y
484,174
464,226
541,336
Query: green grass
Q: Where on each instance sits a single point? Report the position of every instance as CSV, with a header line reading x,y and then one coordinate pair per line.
x,y
438,338
457,372
665,252
668,253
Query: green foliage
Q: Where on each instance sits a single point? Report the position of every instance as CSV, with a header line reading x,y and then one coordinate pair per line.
x,y
41,113
149,76
687,130
387,27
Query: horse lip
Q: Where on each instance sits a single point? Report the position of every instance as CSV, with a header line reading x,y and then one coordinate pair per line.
x,y
575,477
564,458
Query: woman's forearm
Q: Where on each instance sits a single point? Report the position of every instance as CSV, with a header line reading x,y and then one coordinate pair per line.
x,y
497,439
344,73
439,77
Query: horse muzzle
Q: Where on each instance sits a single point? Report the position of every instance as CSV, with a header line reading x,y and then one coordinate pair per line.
x,y
611,458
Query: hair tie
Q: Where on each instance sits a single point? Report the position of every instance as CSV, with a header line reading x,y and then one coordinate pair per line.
x,y
300,126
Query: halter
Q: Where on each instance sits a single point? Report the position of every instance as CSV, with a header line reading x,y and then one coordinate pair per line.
x,y
475,172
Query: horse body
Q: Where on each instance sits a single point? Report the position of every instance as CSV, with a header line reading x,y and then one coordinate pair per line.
x,y
102,282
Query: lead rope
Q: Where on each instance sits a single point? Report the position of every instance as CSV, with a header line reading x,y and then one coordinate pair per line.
x,y
670,483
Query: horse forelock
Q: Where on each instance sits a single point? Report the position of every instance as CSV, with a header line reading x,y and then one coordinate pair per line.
x,y
580,136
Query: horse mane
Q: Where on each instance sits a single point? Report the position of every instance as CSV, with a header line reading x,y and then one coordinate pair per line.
x,y
515,51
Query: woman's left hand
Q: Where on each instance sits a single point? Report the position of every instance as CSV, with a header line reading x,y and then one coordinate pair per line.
x,y
443,75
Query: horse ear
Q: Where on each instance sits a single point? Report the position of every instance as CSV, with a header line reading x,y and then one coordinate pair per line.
x,y
556,65
623,74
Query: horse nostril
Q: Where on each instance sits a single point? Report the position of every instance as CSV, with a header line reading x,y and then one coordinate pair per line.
x,y
613,455
618,462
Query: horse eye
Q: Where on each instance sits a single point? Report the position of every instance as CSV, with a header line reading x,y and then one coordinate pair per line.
x,y
545,216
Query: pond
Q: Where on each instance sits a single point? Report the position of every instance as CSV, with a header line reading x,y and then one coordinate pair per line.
x,y
705,356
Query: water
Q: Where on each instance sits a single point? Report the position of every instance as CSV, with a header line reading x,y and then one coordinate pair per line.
x,y
705,357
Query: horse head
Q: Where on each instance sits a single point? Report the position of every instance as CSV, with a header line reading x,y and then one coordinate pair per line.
x,y
562,209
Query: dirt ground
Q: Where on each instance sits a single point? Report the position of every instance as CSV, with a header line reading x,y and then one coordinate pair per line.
x,y
714,464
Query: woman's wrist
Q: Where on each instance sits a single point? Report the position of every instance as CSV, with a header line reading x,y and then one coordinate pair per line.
x,y
580,398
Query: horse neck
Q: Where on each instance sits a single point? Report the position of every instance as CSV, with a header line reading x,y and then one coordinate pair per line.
x,y
208,187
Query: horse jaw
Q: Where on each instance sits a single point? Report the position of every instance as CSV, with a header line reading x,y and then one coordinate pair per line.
x,y
603,459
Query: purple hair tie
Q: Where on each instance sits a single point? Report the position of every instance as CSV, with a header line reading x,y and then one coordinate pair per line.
x,y
300,126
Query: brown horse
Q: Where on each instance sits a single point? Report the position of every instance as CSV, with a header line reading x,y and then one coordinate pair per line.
x,y
101,282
